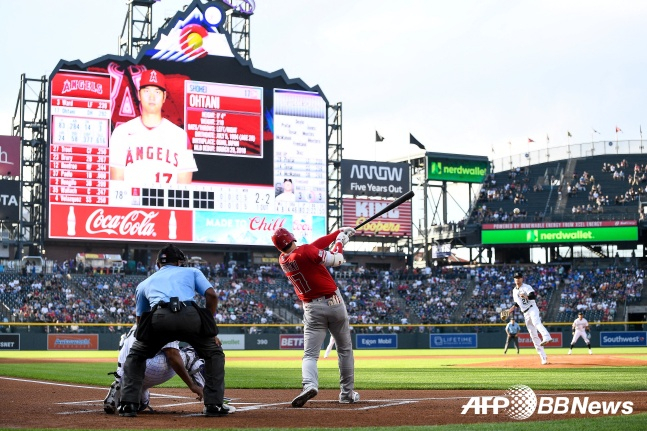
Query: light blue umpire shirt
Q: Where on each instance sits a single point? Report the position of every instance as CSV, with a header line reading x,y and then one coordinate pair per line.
x,y
513,328
168,282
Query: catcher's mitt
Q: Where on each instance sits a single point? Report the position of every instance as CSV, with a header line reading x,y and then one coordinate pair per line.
x,y
505,314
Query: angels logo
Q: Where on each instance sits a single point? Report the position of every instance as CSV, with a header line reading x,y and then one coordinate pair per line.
x,y
70,85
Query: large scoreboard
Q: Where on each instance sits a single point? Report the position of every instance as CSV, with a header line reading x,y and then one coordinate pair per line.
x,y
256,142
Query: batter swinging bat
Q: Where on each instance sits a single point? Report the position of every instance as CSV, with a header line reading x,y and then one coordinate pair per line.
x,y
393,205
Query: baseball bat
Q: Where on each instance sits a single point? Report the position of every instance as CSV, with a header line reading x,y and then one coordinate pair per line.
x,y
396,203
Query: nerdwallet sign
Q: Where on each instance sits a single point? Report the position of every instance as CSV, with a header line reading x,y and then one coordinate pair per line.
x,y
364,178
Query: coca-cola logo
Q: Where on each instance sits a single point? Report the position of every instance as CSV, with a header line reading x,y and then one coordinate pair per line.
x,y
135,223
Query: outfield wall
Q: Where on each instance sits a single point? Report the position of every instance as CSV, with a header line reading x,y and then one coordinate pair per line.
x,y
617,336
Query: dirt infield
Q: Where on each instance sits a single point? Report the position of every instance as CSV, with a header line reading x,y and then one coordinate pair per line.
x,y
38,404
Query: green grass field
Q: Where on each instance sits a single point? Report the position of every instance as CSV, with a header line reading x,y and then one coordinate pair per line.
x,y
383,369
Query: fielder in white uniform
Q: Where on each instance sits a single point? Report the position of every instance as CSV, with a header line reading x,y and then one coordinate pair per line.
x,y
524,297
580,326
151,149
171,360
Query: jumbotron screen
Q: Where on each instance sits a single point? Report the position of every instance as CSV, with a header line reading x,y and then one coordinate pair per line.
x,y
234,154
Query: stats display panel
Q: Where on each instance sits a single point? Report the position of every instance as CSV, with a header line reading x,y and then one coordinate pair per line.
x,y
235,154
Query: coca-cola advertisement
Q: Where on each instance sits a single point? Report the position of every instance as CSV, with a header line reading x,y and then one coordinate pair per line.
x,y
78,221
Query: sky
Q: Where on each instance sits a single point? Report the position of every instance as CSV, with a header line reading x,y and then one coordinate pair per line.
x,y
463,76
466,77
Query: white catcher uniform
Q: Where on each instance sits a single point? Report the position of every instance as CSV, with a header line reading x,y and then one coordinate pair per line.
x,y
148,155
531,316
158,369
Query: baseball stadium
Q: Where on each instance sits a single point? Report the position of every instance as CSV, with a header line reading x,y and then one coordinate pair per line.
x,y
430,301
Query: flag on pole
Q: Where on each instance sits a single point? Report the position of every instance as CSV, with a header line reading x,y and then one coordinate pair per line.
x,y
595,131
618,129
547,138
530,140
569,134
415,142
378,138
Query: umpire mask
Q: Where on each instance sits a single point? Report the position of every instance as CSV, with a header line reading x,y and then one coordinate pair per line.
x,y
171,255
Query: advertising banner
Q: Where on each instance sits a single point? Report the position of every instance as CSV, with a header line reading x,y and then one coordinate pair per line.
x,y
457,168
232,341
9,155
9,341
453,341
396,223
72,342
364,178
376,341
565,232
9,200
290,341
623,339
525,340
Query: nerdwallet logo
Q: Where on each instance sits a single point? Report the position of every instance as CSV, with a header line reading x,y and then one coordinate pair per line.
x,y
519,402
383,173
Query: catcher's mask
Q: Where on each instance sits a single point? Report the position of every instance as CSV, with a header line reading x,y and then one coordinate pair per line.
x,y
282,238
171,255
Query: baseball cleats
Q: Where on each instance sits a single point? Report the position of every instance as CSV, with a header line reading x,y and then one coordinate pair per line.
x,y
590,352
544,361
570,352
128,410
546,341
214,410
351,398
304,396
111,402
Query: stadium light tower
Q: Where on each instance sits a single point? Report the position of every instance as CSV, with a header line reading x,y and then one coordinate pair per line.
x,y
138,27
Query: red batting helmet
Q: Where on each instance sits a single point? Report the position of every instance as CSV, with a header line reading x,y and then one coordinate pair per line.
x,y
282,238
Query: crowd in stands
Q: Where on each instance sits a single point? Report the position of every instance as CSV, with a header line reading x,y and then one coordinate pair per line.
x,y
516,189
385,300
598,292
493,290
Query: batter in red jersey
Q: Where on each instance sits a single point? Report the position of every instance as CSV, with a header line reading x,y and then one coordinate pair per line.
x,y
323,307
151,149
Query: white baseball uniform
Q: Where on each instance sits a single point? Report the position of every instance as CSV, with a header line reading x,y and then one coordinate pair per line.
x,y
579,326
151,155
158,369
531,316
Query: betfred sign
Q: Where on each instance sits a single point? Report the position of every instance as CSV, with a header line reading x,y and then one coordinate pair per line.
x,y
136,224
526,341
290,342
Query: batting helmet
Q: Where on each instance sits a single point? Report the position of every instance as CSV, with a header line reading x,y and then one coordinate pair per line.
x,y
169,255
282,238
